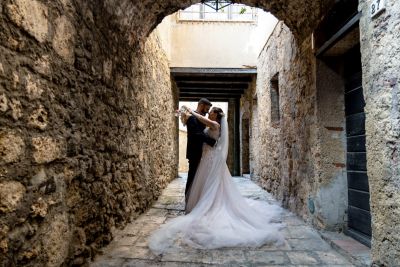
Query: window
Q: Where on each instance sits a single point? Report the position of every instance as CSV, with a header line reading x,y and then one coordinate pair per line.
x,y
234,13
274,93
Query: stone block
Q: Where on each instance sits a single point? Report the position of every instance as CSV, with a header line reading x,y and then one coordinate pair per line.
x,y
33,88
12,146
16,109
15,78
11,194
232,257
32,16
42,65
187,255
3,103
266,257
47,149
64,39
56,240
39,178
302,258
129,252
38,119
39,209
328,257
107,69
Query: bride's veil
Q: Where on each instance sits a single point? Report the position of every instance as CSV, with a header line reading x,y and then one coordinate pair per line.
x,y
223,141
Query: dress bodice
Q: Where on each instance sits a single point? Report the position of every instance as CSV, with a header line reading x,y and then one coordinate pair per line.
x,y
213,134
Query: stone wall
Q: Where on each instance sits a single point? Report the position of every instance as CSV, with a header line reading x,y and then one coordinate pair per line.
x,y
282,150
87,136
183,162
380,48
299,155
330,196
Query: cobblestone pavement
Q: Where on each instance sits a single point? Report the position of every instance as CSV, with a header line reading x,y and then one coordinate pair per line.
x,y
304,246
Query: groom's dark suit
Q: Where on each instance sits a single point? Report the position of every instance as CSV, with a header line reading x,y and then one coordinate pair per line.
x,y
195,139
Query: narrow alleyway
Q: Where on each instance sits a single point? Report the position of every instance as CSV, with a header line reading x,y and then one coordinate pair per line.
x,y
303,247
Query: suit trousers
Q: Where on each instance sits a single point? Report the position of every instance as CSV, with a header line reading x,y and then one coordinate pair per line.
x,y
193,165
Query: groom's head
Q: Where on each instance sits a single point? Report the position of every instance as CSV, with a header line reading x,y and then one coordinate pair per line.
x,y
203,106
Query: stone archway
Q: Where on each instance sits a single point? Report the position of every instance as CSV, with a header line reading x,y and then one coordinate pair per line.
x,y
125,13
86,139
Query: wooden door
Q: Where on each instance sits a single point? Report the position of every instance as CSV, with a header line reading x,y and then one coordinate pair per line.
x,y
359,216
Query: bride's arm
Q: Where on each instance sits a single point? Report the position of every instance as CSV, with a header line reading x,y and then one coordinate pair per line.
x,y
209,123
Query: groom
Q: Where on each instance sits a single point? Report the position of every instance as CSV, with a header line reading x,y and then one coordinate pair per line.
x,y
195,139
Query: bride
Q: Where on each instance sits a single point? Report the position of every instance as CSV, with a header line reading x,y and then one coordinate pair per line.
x,y
217,214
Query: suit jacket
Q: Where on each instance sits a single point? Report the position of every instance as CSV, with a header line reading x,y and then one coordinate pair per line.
x,y
195,138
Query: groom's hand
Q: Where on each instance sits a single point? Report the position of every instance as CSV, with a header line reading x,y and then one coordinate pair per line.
x,y
210,141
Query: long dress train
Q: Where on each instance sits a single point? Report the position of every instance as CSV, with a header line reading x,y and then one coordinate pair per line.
x,y
219,215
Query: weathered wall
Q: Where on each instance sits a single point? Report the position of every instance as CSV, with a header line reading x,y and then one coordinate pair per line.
x,y
183,162
299,157
87,137
284,163
330,197
380,49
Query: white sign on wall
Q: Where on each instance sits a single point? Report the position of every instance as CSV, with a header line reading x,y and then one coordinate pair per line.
x,y
376,7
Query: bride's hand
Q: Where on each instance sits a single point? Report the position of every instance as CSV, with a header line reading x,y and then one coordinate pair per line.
x,y
189,110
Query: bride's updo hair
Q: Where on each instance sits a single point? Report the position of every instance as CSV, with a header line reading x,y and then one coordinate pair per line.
x,y
219,112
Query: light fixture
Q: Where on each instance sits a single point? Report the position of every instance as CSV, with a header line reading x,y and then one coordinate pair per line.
x,y
217,4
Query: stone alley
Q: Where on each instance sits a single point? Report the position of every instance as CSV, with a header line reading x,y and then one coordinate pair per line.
x,y
304,245
90,144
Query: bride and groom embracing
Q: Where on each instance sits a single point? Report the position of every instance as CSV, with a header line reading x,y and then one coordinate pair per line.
x,y
216,214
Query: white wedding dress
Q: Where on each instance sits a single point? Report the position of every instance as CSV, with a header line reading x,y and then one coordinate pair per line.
x,y
220,216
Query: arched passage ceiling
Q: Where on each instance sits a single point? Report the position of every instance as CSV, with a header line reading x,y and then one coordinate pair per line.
x,y
138,18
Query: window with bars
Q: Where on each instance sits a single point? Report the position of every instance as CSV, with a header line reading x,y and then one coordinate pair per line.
x,y
234,13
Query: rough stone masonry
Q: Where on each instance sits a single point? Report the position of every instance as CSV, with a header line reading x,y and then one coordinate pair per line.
x,y
87,135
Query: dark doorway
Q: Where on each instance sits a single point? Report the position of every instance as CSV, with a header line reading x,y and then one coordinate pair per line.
x,y
337,42
245,146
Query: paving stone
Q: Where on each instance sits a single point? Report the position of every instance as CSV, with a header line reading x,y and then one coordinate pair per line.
x,y
330,257
142,241
108,262
129,252
130,230
309,244
233,257
303,232
293,221
126,241
188,255
303,245
302,258
140,263
266,257
269,247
